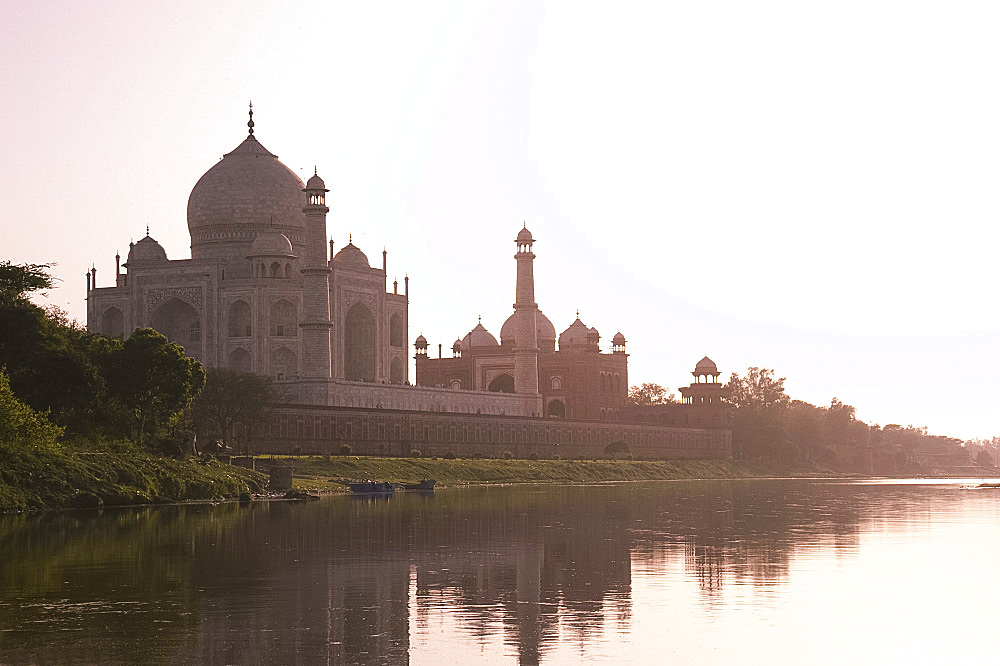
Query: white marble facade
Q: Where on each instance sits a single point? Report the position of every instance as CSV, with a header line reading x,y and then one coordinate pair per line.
x,y
242,300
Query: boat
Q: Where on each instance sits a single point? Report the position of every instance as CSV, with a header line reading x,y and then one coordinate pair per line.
x,y
426,484
372,487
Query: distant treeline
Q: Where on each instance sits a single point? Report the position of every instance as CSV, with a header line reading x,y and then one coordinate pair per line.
x,y
768,424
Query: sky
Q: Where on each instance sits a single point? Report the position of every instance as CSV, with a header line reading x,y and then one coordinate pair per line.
x,y
808,187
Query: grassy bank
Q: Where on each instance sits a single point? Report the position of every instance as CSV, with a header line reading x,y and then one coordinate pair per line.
x,y
72,478
321,473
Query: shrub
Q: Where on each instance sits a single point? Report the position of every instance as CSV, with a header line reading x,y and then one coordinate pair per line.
x,y
449,455
477,455
414,453
344,450
296,450
532,456
507,455
617,449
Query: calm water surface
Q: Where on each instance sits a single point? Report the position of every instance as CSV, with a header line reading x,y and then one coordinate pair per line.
x,y
768,572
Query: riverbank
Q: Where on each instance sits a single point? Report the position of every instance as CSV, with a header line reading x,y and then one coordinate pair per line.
x,y
67,478
326,473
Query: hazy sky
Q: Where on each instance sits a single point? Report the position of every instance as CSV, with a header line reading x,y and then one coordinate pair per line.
x,y
805,186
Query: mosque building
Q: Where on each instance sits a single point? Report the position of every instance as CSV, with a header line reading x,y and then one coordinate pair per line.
x,y
577,381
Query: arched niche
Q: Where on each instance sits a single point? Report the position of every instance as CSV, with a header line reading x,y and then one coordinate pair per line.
x,y
180,323
556,384
556,409
502,384
239,320
283,363
113,323
396,331
396,374
275,269
359,344
239,360
284,319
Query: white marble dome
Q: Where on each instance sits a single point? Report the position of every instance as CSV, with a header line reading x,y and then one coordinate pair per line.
x,y
248,191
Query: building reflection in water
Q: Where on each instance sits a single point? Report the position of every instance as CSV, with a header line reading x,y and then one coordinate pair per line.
x,y
354,581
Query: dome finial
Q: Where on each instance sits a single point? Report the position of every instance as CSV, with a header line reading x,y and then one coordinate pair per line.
x,y
480,319
250,123
350,239
578,313
147,229
315,170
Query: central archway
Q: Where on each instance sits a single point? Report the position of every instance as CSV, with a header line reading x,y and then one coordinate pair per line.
x,y
557,409
179,322
502,384
359,344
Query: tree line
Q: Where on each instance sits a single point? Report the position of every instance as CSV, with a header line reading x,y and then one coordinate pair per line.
x,y
768,424
87,387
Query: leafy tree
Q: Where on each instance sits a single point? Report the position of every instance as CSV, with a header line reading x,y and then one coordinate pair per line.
x,y
649,394
21,427
53,363
759,402
153,382
18,280
984,459
235,404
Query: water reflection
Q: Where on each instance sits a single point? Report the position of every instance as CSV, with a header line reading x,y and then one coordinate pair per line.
x,y
531,573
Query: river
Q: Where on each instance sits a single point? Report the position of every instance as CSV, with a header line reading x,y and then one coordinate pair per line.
x,y
749,572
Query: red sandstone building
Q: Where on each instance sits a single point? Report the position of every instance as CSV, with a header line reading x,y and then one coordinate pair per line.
x,y
577,381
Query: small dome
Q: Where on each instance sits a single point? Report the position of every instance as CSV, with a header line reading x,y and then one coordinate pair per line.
x,y
351,255
619,339
577,334
706,366
544,330
420,342
146,251
524,236
316,183
479,337
595,334
271,244
457,345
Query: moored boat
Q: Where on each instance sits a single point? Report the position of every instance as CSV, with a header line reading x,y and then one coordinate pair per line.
x,y
372,487
426,484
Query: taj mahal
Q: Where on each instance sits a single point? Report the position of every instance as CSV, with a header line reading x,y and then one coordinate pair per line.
x,y
266,291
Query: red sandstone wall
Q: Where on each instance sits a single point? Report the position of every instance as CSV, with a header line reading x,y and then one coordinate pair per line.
x,y
322,430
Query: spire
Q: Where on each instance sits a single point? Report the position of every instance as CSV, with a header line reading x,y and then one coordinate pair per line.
x,y
350,239
250,123
147,229
315,171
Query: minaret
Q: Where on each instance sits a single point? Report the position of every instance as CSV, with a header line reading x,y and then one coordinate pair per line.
x,y
525,309
316,325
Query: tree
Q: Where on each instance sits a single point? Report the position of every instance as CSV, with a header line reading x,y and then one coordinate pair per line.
x,y
21,427
235,404
649,394
984,459
19,280
759,402
152,381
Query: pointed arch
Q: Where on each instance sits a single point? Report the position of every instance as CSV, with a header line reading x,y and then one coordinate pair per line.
x,y
113,323
502,384
284,364
239,360
238,319
359,344
284,319
180,323
396,374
